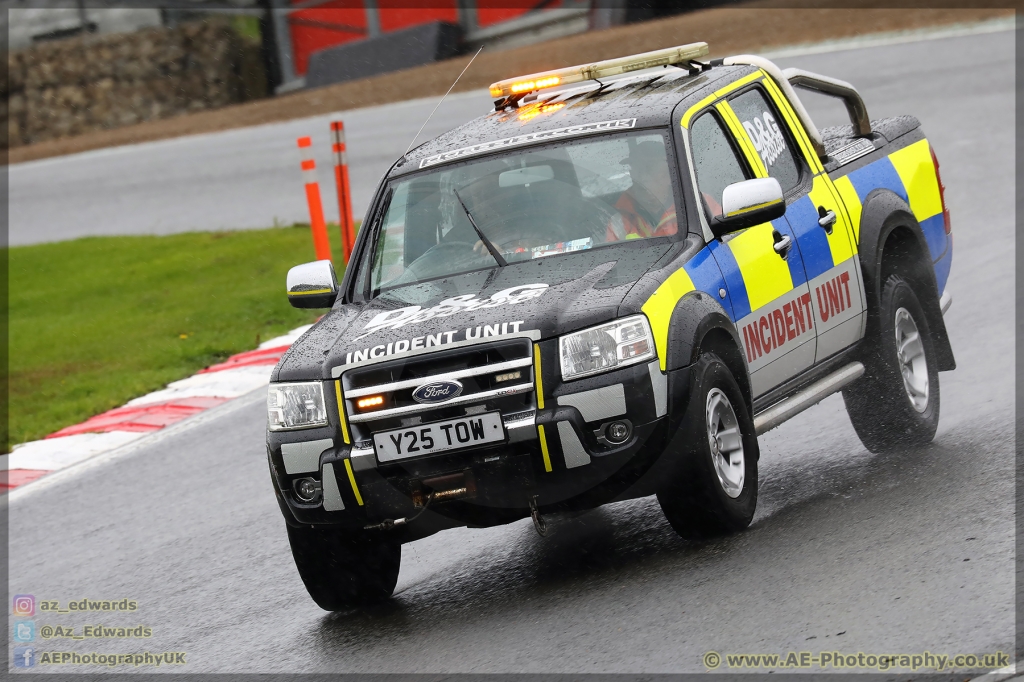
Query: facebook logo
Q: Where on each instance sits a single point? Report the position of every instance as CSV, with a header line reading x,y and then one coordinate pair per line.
x,y
24,631
24,657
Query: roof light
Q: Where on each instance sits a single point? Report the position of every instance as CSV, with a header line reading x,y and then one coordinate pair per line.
x,y
603,69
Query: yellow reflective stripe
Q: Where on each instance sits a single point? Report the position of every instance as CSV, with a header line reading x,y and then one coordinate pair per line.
x,y
765,275
352,480
660,305
839,241
540,405
695,109
737,84
341,411
309,293
751,208
915,168
794,125
852,202
537,378
544,447
753,158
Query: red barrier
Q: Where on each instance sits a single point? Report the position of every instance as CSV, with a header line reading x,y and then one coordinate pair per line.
x,y
15,477
252,358
321,244
348,226
142,417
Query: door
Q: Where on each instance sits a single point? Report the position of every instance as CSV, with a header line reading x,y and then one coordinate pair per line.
x,y
768,290
815,214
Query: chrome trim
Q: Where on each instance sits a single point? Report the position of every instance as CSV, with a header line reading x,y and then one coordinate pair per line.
x,y
808,397
461,400
361,452
945,301
412,383
519,423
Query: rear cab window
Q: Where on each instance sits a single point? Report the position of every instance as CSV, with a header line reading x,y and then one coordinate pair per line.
x,y
771,138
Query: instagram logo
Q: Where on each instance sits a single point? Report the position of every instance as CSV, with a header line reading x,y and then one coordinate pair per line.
x,y
24,605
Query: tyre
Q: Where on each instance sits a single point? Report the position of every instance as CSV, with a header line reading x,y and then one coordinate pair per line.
x,y
896,403
341,571
713,490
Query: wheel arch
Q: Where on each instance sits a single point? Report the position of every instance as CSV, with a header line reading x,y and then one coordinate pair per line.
x,y
892,242
700,324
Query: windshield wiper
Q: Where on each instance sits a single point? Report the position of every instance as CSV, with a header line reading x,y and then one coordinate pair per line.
x,y
487,242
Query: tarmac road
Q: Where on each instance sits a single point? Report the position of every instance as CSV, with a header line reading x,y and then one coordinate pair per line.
x,y
848,551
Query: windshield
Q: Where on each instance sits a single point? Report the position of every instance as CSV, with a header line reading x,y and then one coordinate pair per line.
x,y
523,205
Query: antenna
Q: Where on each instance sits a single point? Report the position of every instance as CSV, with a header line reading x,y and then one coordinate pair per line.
x,y
442,99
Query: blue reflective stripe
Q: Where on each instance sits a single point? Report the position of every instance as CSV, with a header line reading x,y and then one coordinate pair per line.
x,y
795,259
737,289
803,219
877,174
707,277
934,229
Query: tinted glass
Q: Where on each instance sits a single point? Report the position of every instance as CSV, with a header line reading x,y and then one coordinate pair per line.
x,y
528,204
761,122
715,161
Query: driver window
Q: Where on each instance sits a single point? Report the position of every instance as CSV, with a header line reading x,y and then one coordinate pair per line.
x,y
715,161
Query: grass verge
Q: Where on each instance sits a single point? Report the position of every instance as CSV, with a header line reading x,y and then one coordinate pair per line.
x,y
96,322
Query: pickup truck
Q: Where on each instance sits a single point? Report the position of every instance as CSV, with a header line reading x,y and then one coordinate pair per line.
x,y
607,288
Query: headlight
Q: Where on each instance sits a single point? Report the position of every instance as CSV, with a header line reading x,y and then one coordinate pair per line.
x,y
610,346
295,406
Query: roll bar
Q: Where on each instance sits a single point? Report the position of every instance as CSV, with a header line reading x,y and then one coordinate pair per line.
x,y
832,87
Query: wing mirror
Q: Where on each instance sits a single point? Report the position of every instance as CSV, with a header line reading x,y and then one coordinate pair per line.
x,y
749,203
312,285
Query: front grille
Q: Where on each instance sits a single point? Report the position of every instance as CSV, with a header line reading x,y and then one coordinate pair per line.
x,y
494,376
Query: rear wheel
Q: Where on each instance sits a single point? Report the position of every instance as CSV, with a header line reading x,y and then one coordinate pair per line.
x,y
714,491
896,403
342,570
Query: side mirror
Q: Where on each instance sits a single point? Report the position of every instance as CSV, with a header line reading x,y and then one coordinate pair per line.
x,y
312,285
749,203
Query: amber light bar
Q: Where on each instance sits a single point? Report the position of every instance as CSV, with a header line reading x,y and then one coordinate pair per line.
x,y
604,69
370,402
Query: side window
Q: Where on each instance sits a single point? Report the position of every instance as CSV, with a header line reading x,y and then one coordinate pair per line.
x,y
715,161
762,123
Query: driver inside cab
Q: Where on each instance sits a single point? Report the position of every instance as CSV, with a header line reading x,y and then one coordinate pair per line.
x,y
647,208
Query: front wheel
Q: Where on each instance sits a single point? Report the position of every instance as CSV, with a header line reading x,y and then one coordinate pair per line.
x,y
714,488
896,404
341,571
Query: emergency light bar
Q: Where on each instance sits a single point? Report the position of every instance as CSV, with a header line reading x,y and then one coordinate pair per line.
x,y
609,67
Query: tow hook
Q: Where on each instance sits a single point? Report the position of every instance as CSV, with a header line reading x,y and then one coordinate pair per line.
x,y
389,524
538,520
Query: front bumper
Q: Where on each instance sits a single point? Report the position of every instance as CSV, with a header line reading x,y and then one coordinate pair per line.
x,y
556,456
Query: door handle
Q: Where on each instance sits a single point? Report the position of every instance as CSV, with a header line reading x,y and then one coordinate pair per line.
x,y
826,219
782,244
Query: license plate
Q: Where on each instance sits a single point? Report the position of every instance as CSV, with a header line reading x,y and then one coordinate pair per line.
x,y
426,439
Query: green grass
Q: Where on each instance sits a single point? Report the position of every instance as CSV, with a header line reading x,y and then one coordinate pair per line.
x,y
96,322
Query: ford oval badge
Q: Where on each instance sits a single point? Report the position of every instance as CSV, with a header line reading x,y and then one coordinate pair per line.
x,y
437,391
